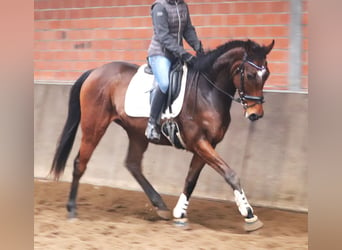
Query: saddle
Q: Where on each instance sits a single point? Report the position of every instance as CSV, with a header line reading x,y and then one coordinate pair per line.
x,y
176,74
169,127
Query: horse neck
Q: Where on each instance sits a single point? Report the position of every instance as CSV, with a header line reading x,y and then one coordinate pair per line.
x,y
202,95
224,87
222,74
215,93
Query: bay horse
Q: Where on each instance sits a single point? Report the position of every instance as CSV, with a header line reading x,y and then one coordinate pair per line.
x,y
97,99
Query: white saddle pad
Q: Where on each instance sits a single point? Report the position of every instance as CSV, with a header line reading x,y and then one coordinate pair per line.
x,y
137,99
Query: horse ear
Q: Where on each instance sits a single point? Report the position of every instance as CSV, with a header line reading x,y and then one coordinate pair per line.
x,y
269,47
249,46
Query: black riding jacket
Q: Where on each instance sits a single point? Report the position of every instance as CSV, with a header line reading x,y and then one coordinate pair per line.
x,y
171,23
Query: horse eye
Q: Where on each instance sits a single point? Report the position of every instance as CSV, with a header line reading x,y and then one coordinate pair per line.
x,y
251,76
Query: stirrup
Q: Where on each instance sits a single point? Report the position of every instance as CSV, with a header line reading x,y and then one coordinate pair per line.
x,y
152,132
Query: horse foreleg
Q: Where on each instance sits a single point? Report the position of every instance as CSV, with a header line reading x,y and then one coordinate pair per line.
x,y
207,152
180,210
137,147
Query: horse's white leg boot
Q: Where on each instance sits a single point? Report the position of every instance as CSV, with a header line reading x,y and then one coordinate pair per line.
x,y
179,212
244,207
242,202
180,209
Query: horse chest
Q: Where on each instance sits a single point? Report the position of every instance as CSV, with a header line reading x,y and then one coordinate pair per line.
x,y
214,128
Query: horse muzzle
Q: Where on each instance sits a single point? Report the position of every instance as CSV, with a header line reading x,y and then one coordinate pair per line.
x,y
253,107
254,115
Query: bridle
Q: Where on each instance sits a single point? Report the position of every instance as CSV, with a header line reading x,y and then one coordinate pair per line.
x,y
242,95
242,92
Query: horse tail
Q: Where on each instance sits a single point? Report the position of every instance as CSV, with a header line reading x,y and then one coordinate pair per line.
x,y
66,139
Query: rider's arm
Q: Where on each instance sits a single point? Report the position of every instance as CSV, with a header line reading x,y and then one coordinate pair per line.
x,y
190,35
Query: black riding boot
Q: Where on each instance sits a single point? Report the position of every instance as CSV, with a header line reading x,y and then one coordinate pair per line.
x,y
153,131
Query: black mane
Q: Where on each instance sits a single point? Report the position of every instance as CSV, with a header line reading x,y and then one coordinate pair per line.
x,y
206,61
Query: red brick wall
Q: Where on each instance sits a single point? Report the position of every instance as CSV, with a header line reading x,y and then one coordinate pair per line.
x,y
72,36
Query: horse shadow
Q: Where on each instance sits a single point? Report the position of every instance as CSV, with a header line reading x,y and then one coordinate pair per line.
x,y
220,216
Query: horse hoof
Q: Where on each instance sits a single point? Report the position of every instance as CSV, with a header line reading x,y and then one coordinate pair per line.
x,y
182,223
164,214
252,224
72,215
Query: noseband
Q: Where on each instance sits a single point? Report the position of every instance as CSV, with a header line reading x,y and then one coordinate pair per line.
x,y
242,96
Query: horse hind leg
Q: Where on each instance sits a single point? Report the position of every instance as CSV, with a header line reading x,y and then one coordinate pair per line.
x,y
137,147
71,205
180,210
89,141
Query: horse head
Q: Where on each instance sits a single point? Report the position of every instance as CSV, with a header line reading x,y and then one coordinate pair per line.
x,y
247,73
249,76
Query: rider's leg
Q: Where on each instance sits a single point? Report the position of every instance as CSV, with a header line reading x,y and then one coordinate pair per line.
x,y
161,68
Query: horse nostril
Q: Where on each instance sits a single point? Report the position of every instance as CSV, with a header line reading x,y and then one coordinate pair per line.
x,y
253,117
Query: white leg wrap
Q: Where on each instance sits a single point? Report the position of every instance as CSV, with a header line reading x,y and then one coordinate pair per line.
x,y
242,203
181,207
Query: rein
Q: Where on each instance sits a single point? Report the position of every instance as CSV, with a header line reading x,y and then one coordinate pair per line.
x,y
243,97
238,100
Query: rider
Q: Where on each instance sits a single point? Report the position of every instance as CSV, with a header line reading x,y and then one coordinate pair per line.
x,y
171,23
